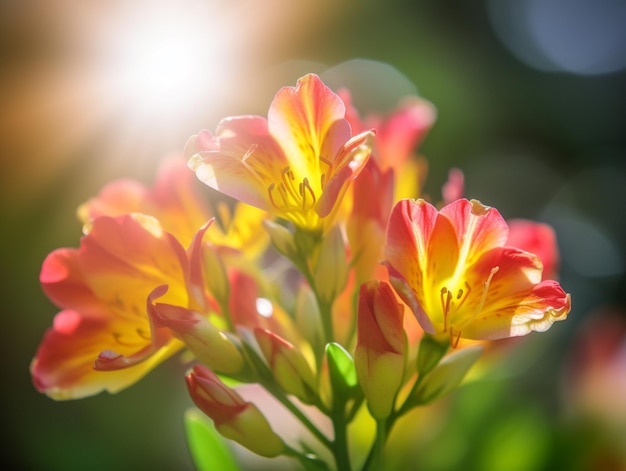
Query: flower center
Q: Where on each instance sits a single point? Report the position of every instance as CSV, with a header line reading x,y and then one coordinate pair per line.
x,y
452,301
289,195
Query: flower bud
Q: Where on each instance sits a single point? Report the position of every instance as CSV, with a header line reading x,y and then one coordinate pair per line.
x,y
282,239
331,269
380,354
290,368
447,375
233,417
214,348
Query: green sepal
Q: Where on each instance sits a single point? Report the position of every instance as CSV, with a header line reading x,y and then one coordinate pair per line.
x,y
207,447
307,242
282,239
431,351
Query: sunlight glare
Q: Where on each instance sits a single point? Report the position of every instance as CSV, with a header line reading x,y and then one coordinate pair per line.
x,y
160,63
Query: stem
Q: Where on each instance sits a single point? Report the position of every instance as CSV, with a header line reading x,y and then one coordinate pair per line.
x,y
383,428
284,400
327,318
266,380
374,457
379,444
340,443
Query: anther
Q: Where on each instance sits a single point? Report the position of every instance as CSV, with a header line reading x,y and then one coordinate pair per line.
x,y
142,333
305,188
270,189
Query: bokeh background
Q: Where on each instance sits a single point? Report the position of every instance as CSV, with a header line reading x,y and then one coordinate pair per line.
x,y
531,106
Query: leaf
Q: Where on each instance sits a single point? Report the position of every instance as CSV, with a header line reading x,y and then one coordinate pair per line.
x,y
208,449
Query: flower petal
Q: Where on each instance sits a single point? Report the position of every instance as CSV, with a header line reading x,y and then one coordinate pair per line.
x,y
309,122
402,131
536,311
63,365
172,200
409,232
64,283
123,259
537,238
241,161
479,228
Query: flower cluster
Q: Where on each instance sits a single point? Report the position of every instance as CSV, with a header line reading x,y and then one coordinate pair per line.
x,y
323,278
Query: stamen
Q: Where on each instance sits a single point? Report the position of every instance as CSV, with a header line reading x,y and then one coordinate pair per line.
x,y
445,297
454,340
329,170
494,270
287,178
270,189
142,333
283,194
304,189
246,164
118,339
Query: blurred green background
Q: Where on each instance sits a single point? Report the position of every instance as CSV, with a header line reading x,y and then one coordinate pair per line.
x,y
531,106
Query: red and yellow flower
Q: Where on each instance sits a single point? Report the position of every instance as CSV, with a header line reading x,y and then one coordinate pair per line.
x,y
297,164
103,288
455,272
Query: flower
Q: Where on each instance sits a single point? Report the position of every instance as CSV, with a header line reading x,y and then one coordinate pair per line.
x,y
454,271
234,418
103,288
296,164
179,209
172,200
398,134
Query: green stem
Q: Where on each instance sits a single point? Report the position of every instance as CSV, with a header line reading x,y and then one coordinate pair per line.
x,y
383,428
379,444
340,443
265,378
327,318
284,400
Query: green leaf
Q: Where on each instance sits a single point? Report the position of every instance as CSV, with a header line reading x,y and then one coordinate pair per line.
x,y
208,449
342,371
